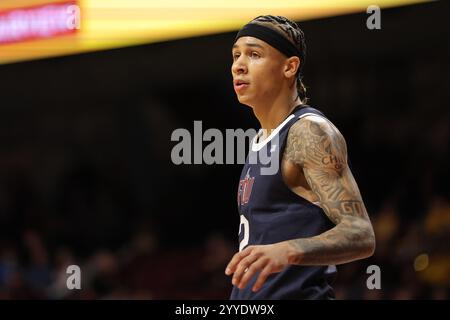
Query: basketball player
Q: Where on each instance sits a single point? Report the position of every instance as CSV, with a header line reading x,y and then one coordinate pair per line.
x,y
300,222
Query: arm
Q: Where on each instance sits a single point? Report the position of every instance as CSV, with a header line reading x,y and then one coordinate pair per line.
x,y
318,148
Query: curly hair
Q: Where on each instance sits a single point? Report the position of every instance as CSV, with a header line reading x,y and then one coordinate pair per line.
x,y
291,31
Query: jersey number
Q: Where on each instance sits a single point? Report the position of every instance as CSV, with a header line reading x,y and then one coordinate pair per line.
x,y
243,227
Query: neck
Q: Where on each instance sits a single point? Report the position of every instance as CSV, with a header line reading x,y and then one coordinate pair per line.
x,y
271,114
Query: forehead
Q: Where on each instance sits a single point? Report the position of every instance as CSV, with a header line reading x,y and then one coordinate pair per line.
x,y
248,41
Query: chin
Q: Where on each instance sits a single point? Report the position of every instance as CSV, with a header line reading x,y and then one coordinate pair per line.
x,y
244,100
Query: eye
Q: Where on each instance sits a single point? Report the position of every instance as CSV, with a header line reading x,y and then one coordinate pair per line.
x,y
235,56
255,55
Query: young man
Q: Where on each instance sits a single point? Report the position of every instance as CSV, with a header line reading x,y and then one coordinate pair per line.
x,y
308,216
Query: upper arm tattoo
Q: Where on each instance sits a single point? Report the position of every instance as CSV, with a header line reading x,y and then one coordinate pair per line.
x,y
320,149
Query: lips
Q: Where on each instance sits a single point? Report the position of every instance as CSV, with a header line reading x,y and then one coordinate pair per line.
x,y
240,85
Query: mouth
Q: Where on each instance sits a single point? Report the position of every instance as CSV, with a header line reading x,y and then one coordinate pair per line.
x,y
240,85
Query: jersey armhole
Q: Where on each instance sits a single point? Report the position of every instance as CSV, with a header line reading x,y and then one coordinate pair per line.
x,y
300,198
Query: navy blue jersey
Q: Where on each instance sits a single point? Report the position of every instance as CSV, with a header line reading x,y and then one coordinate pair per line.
x,y
270,212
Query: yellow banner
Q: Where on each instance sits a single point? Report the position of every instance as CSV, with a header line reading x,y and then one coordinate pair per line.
x,y
104,24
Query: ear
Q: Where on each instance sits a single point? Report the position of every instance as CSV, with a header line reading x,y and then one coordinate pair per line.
x,y
291,67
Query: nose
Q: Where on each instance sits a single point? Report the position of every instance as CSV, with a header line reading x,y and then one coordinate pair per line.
x,y
238,67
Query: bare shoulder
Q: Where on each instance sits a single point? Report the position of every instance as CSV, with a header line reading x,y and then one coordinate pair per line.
x,y
315,140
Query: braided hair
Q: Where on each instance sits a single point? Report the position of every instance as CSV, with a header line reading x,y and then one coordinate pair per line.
x,y
291,31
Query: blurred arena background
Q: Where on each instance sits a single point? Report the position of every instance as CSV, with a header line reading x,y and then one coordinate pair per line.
x,y
86,117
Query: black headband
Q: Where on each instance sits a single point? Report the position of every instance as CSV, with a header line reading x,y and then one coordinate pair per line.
x,y
272,37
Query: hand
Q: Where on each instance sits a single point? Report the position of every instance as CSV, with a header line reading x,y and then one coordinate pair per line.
x,y
268,259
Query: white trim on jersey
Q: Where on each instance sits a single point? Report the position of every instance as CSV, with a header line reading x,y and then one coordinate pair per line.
x,y
256,146
309,114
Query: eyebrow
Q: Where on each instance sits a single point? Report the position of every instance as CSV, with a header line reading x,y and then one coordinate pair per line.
x,y
254,45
